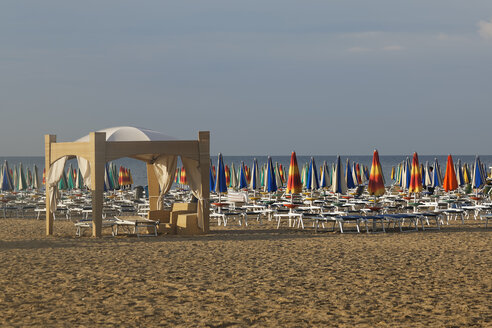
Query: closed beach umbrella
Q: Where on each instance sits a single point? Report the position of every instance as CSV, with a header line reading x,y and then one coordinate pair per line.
x,y
220,181
211,179
436,175
254,182
450,183
278,175
243,183
477,177
233,182
459,173
79,181
415,178
348,176
325,176
271,179
22,184
6,183
376,183
312,178
338,185
35,178
227,174
70,178
427,175
294,185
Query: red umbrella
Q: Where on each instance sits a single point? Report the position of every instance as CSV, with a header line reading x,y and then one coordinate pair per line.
x,y
376,181
415,176
450,182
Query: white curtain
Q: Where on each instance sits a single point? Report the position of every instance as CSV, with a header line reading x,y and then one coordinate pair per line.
x,y
54,175
193,176
165,170
85,170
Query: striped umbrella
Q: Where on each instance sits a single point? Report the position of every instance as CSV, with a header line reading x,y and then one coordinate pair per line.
x,y
450,183
211,178
376,183
339,185
294,185
415,178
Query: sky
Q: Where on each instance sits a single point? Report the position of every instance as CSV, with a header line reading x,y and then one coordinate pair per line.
x,y
264,77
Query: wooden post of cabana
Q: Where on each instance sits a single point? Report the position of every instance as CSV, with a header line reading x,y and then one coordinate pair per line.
x,y
98,148
49,139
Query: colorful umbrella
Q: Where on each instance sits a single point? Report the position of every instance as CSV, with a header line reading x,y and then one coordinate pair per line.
x,y
376,183
450,183
415,178
459,173
278,175
6,182
294,185
22,184
233,182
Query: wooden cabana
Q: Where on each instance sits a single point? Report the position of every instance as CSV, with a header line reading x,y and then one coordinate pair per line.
x,y
103,146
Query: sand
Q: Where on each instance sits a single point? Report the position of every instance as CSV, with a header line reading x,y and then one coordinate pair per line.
x,y
236,277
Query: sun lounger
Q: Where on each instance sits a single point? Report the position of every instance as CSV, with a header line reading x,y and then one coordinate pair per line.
x,y
134,223
86,224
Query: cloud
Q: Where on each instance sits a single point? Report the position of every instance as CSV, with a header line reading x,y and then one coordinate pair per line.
x,y
393,48
358,49
485,29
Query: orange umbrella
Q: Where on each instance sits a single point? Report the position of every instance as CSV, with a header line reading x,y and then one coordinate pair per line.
x,y
450,182
376,181
415,177
294,184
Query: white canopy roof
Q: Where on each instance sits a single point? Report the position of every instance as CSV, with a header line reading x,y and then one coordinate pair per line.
x,y
130,133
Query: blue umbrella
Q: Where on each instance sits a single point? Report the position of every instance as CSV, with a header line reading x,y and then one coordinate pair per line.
x,y
348,176
436,175
242,177
459,173
271,183
312,178
220,181
478,177
339,185
211,179
6,183
325,176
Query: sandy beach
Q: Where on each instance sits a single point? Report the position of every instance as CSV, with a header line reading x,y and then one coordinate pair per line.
x,y
238,277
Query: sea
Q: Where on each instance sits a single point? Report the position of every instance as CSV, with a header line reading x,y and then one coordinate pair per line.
x,y
139,171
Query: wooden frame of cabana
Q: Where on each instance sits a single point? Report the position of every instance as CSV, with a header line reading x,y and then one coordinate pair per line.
x,y
98,152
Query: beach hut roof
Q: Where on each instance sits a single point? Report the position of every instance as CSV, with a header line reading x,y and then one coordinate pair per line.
x,y
130,133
